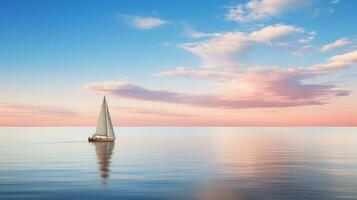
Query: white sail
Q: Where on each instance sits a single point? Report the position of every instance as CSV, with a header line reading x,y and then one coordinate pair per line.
x,y
110,130
102,121
104,125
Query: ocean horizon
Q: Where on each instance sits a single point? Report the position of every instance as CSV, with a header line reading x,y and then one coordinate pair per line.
x,y
180,163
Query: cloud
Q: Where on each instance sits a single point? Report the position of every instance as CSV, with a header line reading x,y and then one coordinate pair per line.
x,y
131,91
20,114
288,84
304,50
144,22
275,84
337,62
151,111
220,51
270,33
236,87
191,32
335,1
333,63
254,87
306,40
350,57
205,74
270,87
338,43
34,110
257,10
225,50
270,82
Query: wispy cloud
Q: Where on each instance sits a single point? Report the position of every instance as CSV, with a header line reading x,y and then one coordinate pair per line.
x,y
338,43
193,33
224,50
308,39
220,51
34,110
304,50
256,10
245,88
337,62
283,91
277,84
151,111
236,87
20,114
205,74
273,32
333,63
143,22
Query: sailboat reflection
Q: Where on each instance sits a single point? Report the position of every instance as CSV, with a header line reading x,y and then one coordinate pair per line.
x,y
104,152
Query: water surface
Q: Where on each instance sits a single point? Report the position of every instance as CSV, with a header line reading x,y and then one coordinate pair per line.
x,y
179,163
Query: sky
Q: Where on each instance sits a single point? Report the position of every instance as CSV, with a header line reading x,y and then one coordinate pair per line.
x,y
178,63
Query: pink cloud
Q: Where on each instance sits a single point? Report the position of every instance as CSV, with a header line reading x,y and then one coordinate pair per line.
x,y
337,62
242,88
338,43
275,95
274,84
15,114
37,110
270,33
239,88
151,111
288,84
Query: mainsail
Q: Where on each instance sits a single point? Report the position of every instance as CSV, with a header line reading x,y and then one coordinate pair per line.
x,y
104,125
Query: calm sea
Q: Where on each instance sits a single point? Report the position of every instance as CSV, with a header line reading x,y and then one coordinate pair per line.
x,y
179,163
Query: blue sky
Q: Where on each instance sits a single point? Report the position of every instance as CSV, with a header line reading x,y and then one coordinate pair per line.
x,y
49,50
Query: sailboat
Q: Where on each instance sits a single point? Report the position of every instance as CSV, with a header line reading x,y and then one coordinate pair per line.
x,y
104,131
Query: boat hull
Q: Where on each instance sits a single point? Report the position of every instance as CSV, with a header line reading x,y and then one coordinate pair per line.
x,y
101,139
